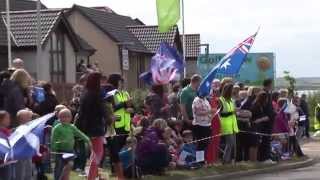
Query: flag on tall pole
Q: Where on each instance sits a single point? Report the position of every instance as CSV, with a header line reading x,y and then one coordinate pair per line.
x,y
229,65
168,12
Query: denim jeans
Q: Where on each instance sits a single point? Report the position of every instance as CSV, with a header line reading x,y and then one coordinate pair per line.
x,y
60,163
230,142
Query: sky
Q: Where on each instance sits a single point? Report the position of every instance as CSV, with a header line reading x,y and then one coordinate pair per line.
x,y
289,28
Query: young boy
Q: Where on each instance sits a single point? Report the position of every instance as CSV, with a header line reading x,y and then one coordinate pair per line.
x,y
127,159
24,166
62,139
5,169
187,156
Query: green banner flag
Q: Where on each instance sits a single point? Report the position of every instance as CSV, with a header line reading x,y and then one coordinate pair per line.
x,y
168,14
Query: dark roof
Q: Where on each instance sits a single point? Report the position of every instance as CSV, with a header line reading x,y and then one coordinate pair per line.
x,y
114,26
24,25
85,45
151,37
192,45
24,28
20,5
15,5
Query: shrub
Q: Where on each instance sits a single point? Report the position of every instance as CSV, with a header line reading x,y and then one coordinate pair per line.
x,y
138,96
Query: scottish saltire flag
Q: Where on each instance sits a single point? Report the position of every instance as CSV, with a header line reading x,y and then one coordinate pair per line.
x,y
229,65
25,141
168,12
166,64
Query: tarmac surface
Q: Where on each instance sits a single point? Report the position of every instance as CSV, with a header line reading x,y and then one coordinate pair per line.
x,y
311,149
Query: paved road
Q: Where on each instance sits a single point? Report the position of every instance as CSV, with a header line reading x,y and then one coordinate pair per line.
x,y
309,173
312,149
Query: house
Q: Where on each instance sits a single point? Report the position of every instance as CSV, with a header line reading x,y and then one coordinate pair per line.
x,y
60,45
122,44
20,5
15,5
192,52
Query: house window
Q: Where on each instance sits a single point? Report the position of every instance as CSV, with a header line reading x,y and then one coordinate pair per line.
x,y
57,57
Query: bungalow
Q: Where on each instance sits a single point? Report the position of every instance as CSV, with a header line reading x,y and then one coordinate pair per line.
x,y
122,44
60,45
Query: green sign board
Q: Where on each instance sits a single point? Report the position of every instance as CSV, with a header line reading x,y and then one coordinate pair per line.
x,y
256,67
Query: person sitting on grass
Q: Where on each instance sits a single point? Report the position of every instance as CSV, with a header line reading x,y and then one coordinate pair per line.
x,y
187,155
63,138
152,154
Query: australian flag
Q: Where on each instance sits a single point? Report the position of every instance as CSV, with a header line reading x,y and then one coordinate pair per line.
x,y
229,65
25,141
165,65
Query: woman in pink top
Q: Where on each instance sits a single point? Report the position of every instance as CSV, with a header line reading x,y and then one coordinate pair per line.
x,y
213,147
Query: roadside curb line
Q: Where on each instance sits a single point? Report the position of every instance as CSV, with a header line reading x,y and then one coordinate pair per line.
x,y
276,168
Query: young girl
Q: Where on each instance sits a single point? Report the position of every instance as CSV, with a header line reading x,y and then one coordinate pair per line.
x,y
5,169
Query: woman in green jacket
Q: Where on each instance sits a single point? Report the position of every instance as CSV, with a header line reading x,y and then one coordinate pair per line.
x,y
228,121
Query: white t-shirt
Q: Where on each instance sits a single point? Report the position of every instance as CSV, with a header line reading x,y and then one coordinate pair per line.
x,y
203,105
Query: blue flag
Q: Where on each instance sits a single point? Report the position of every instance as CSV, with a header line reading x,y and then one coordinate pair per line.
x,y
229,65
165,65
25,141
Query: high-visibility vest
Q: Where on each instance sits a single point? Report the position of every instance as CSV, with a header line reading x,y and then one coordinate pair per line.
x,y
124,120
228,124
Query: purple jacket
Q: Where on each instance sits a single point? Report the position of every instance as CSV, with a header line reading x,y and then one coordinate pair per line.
x,y
149,143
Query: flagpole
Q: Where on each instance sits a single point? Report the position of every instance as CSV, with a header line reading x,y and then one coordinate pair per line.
x,y
183,41
38,58
8,33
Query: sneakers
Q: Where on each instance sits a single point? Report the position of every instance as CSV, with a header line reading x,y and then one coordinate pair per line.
x,y
82,174
269,162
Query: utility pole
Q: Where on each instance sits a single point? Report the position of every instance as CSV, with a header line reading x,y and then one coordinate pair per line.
x,y
38,61
183,41
8,33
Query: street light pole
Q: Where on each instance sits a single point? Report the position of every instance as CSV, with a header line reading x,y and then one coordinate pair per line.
x,y
8,33
38,39
183,41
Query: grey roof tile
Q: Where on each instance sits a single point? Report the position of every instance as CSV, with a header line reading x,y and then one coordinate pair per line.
x,y
24,25
15,5
192,45
151,37
113,25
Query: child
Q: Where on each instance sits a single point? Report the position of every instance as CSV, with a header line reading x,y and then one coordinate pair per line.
x,y
294,147
24,166
55,120
63,138
187,156
172,145
127,159
5,170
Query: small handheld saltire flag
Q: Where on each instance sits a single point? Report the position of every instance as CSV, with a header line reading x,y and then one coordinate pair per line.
x,y
165,65
25,141
168,12
229,65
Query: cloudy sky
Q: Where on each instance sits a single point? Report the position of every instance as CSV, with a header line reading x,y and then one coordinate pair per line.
x,y
289,28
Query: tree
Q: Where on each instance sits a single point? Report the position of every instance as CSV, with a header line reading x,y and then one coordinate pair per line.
x,y
291,83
